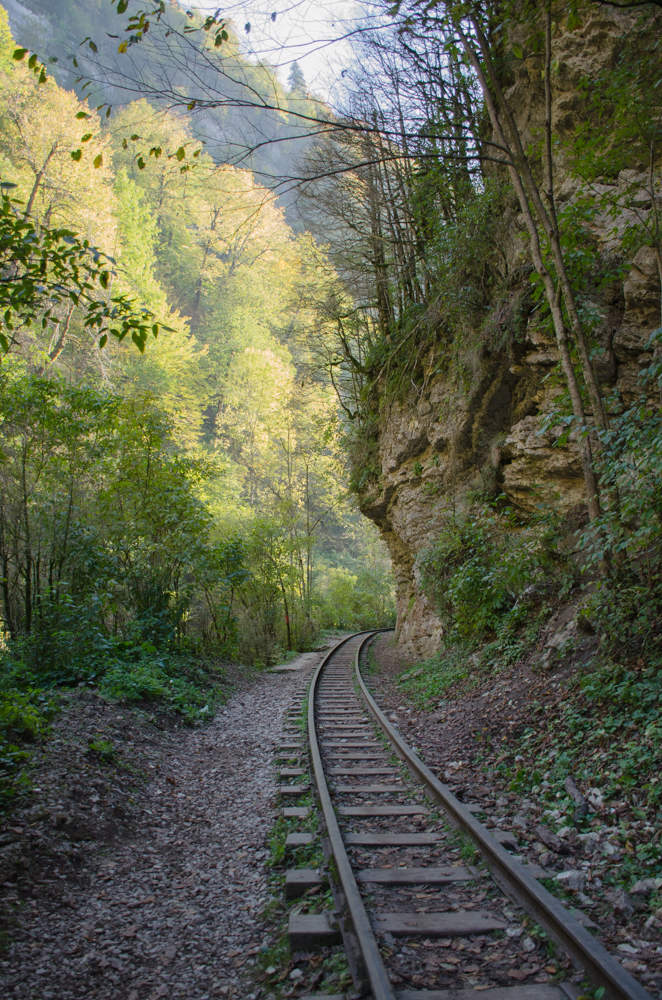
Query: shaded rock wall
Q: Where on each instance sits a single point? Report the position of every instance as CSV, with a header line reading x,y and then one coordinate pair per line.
x,y
480,427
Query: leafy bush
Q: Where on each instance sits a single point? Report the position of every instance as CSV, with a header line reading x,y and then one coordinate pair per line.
x,y
432,678
127,668
626,607
480,568
24,719
23,714
156,679
465,257
67,645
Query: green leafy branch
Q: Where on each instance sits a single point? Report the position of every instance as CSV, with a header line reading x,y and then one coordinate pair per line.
x,y
34,64
138,26
157,152
42,268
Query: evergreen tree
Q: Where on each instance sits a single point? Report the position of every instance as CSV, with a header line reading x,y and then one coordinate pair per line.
x,y
296,81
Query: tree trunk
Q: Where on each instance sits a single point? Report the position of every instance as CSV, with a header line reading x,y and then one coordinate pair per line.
x,y
38,179
547,218
516,172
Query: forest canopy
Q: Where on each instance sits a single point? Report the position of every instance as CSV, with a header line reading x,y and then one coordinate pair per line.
x,y
183,503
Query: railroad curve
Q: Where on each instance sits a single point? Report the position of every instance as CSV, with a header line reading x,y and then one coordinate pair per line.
x,y
418,921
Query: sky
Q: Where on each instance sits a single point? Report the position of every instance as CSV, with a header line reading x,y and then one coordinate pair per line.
x,y
310,32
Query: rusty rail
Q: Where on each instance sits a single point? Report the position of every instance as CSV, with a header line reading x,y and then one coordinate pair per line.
x,y
372,960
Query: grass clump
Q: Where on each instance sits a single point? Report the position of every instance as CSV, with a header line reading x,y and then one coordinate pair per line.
x,y
431,679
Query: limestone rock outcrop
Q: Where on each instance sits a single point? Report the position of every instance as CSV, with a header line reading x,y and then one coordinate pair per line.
x,y
485,430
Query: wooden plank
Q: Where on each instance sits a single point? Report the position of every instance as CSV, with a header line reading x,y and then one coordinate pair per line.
x,y
308,931
291,772
367,789
458,923
331,729
439,875
299,880
341,715
295,812
350,745
390,839
293,789
536,991
382,810
358,771
299,839
324,996
337,734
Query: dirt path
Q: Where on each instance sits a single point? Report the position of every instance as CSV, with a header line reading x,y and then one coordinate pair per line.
x,y
171,908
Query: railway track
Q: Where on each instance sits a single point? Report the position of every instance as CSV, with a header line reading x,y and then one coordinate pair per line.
x,y
419,914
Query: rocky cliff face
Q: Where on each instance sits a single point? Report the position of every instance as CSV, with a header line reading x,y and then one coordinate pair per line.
x,y
454,435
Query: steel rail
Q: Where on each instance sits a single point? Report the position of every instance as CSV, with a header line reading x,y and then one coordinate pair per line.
x,y
587,952
374,966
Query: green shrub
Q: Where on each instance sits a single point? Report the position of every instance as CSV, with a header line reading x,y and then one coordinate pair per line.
x,y
24,714
24,717
177,682
68,645
626,607
135,682
129,669
480,568
431,679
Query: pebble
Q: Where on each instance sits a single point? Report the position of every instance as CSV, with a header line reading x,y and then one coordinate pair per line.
x,y
646,886
571,879
595,798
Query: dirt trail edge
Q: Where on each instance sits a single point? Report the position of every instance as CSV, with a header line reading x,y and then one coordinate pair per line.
x,y
165,900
